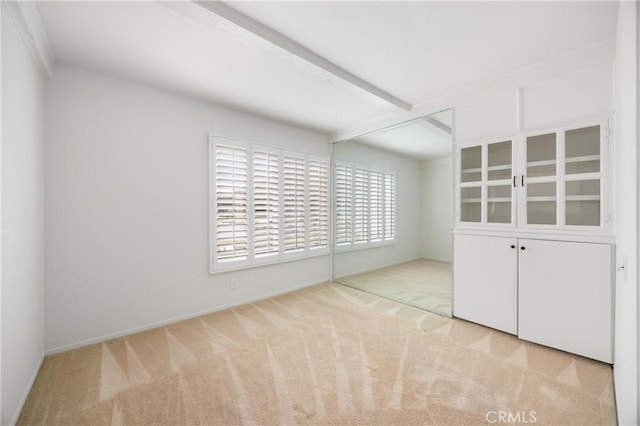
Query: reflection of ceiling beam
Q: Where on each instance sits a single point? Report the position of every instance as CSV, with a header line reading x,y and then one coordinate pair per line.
x,y
435,123
298,50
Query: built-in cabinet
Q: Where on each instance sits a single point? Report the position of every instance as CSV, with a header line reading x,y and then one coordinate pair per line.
x,y
555,293
555,179
532,246
485,276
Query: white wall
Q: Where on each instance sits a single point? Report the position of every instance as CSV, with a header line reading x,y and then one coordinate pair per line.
x,y
407,244
626,130
22,220
126,172
580,94
436,176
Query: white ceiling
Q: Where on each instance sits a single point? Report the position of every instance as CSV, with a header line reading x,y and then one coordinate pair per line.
x,y
422,138
413,50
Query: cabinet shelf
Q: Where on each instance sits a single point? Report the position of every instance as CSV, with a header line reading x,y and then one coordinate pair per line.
x,y
548,198
470,200
541,199
582,159
570,160
582,198
476,170
541,163
491,169
499,167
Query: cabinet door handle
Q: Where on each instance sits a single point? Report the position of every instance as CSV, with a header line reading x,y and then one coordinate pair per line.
x,y
522,180
513,246
514,181
522,248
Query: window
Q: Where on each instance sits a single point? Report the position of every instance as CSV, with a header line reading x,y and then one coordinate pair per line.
x,y
364,206
268,205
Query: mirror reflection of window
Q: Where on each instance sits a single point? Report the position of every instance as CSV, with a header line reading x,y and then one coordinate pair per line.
x,y
393,212
365,205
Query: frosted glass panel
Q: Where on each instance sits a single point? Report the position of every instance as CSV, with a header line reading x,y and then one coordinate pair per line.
x,y
575,167
471,162
582,150
499,160
541,213
470,204
581,142
537,190
541,155
583,213
583,202
541,203
499,204
589,187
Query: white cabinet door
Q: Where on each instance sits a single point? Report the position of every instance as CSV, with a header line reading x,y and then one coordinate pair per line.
x,y
485,281
486,184
565,296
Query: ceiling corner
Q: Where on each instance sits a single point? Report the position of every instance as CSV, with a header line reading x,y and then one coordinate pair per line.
x,y
27,18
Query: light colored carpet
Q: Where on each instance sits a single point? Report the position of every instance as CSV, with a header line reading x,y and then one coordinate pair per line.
x,y
425,284
327,354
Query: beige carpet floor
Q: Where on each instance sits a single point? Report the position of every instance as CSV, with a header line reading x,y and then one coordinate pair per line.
x,y
327,354
425,284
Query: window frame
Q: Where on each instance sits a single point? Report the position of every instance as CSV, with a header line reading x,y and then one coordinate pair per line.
x,y
253,260
368,243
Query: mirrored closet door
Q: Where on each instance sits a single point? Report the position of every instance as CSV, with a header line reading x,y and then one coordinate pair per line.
x,y
393,212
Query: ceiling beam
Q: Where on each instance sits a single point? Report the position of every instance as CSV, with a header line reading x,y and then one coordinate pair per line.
x,y
435,123
295,48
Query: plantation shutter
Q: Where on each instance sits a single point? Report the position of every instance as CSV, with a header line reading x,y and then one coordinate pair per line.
x,y
343,207
318,203
364,205
360,205
294,204
389,206
266,203
231,234
376,205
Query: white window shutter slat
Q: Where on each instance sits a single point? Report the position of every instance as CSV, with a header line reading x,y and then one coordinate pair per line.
x,y
376,208
360,205
294,204
318,203
231,237
343,204
389,206
266,218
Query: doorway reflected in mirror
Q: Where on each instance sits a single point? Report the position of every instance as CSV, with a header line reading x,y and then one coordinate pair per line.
x,y
393,212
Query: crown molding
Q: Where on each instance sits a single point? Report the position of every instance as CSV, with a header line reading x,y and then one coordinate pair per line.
x,y
27,18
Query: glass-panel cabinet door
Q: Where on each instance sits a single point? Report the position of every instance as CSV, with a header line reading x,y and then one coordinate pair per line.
x,y
583,177
486,184
541,180
499,203
564,183
499,182
470,184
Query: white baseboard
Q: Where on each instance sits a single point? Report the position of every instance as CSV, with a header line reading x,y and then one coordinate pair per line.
x,y
133,330
25,394
437,260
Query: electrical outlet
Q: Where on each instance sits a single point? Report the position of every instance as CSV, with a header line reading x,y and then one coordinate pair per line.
x,y
622,267
233,284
